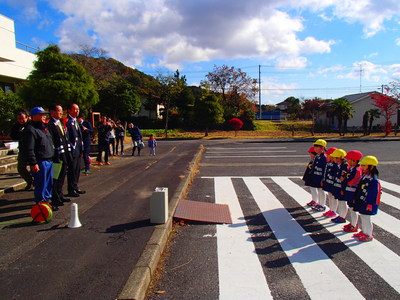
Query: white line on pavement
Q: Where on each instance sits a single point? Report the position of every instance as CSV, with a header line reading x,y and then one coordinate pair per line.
x,y
376,255
240,272
319,275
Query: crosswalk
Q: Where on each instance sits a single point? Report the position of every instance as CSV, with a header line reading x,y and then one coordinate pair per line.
x,y
328,262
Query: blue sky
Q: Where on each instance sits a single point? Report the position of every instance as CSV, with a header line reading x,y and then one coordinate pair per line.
x,y
306,48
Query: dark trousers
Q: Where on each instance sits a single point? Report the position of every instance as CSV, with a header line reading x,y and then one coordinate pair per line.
x,y
43,181
58,184
86,156
104,146
120,140
74,170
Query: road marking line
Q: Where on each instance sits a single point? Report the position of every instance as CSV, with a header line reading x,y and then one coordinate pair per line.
x,y
250,151
239,269
390,186
390,200
223,148
376,255
318,273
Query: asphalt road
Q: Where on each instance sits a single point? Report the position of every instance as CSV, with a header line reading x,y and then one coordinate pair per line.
x,y
51,261
196,268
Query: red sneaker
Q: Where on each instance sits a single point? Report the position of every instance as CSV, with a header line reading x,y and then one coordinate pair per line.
x,y
312,203
357,235
350,228
365,238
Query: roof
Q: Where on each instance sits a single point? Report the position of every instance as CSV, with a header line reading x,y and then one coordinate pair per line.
x,y
353,98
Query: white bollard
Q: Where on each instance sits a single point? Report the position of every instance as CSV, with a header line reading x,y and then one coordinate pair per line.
x,y
159,206
74,221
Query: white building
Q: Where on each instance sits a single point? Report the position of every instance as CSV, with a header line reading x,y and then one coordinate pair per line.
x,y
15,64
361,103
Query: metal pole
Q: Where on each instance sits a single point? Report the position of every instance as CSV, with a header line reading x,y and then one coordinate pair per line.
x,y
259,88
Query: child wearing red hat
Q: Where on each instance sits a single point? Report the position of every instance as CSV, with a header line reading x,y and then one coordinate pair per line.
x,y
350,184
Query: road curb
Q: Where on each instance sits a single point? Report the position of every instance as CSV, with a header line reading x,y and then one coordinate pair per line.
x,y
16,187
140,278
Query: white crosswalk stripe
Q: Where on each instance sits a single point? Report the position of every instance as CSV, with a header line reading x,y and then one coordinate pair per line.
x,y
240,273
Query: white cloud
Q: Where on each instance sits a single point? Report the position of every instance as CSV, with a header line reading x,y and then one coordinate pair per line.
x,y
367,70
176,31
397,41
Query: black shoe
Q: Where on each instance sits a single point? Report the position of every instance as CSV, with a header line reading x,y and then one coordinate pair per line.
x,y
66,200
56,203
55,208
80,192
73,194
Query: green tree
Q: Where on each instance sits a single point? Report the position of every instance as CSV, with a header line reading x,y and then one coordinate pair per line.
x,y
293,108
373,114
10,103
343,111
311,109
171,86
208,112
119,100
58,78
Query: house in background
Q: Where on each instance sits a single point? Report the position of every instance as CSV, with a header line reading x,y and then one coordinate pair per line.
x,y
15,63
361,103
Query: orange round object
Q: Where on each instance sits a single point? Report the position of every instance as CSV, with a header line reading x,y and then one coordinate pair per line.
x,y
42,213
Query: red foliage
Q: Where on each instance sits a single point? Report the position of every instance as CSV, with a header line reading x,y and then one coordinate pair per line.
x,y
235,123
386,104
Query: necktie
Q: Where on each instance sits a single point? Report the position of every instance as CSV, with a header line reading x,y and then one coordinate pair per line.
x,y
61,127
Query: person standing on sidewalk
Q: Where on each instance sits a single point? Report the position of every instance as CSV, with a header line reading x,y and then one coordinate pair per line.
x,y
39,150
76,144
120,136
103,136
136,135
87,131
61,154
17,134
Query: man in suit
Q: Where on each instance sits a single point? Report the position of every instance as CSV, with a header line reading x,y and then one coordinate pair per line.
x,y
87,131
61,153
76,144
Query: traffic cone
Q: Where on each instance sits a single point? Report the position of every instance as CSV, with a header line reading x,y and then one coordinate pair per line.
x,y
74,222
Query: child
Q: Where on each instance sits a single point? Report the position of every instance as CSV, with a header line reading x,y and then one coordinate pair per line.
x,y
307,173
152,145
341,171
367,197
317,171
350,184
327,182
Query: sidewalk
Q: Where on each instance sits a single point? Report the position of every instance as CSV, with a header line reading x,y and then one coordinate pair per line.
x,y
95,260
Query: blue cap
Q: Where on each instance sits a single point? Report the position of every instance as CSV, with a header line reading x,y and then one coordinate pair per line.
x,y
38,110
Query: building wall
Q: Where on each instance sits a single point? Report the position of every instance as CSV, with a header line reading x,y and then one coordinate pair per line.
x,y
15,64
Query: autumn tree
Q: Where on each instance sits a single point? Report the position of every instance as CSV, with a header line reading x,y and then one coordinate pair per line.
x,y
388,108
294,107
58,78
236,88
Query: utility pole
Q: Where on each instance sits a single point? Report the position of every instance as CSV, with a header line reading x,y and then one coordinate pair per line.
x,y
259,89
361,70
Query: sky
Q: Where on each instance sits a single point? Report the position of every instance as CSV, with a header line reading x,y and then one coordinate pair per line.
x,y
301,48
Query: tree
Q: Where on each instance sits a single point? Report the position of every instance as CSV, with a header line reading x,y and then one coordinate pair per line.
x,y
235,87
170,88
388,108
208,112
373,114
119,100
58,78
311,108
343,111
236,124
294,107
10,103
